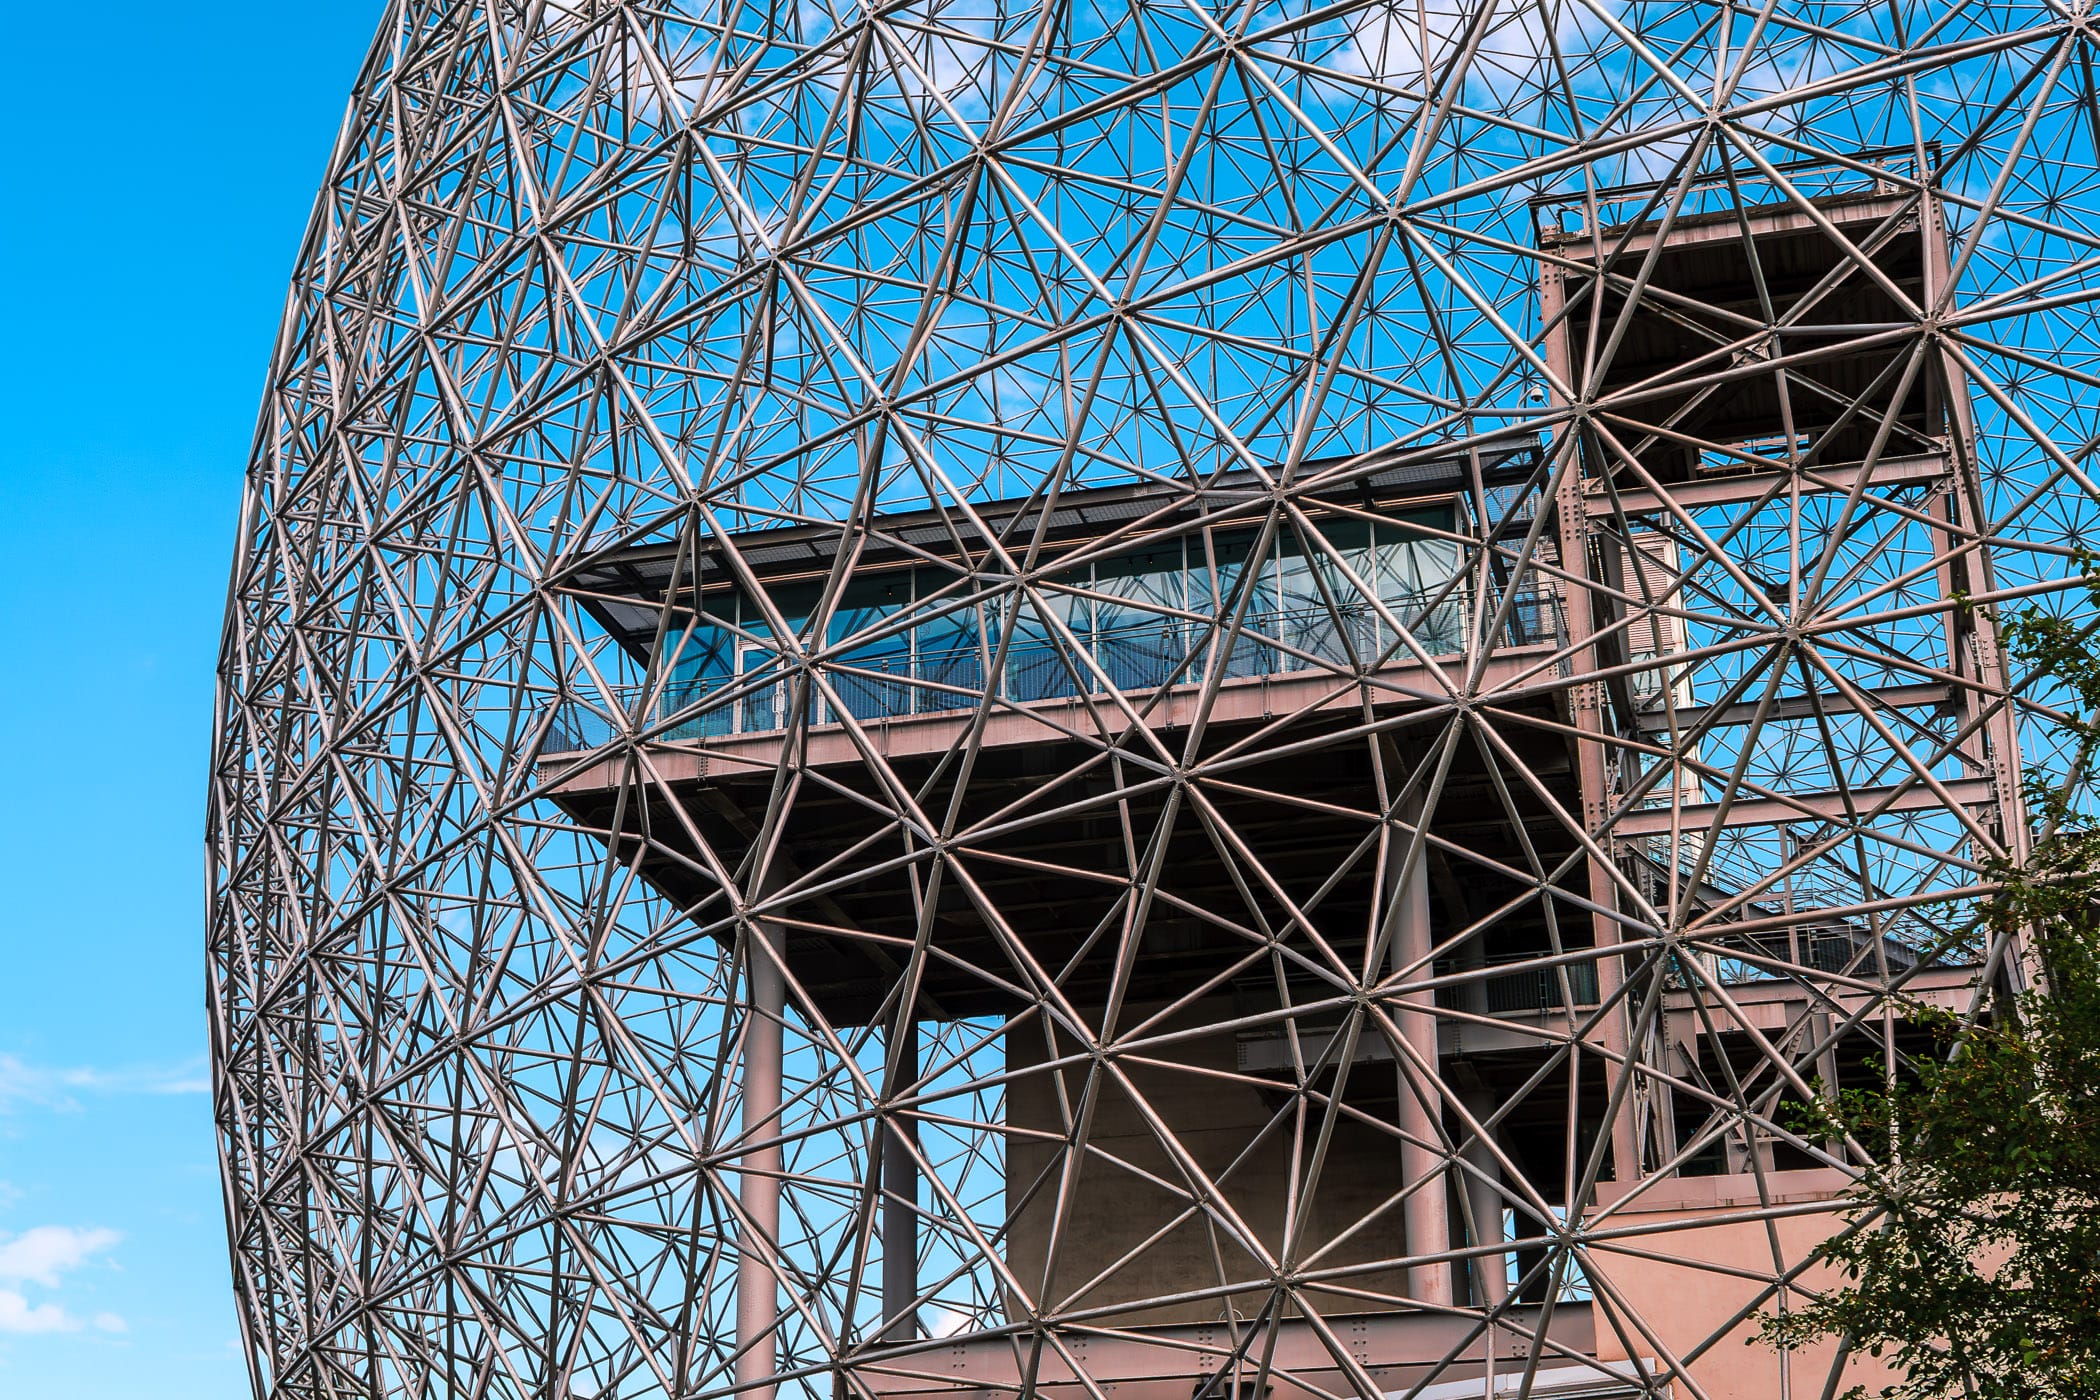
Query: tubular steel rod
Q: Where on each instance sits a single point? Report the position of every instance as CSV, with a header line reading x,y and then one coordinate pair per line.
x,y
1044,485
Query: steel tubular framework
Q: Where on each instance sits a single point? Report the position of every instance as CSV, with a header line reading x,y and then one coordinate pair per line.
x,y
1179,699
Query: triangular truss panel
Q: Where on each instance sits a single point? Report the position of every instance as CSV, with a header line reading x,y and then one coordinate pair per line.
x,y
980,699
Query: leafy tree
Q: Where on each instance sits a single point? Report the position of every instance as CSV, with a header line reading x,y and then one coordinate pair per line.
x,y
1974,1268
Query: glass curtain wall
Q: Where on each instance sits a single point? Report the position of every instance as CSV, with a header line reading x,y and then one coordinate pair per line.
x,y
1158,616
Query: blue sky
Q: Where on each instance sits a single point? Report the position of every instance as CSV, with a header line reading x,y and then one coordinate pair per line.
x,y
157,170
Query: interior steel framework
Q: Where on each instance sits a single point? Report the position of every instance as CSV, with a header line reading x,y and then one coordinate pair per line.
x,y
1139,699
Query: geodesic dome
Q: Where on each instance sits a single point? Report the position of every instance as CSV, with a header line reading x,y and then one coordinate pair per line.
x,y
1009,698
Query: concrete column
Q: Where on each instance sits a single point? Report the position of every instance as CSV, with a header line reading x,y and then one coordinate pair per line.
x,y
1425,1213
758,1190
900,1195
1484,1180
1484,1205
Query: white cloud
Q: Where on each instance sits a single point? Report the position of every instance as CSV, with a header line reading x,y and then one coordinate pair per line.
x,y
53,1086
1413,44
947,1322
42,1254
1412,41
661,77
951,40
19,1317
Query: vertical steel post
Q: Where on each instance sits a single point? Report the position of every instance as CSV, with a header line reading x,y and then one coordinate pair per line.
x,y
900,1197
1973,648
1586,701
1483,1177
757,1287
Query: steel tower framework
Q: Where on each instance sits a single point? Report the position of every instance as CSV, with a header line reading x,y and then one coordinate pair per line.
x,y
1173,699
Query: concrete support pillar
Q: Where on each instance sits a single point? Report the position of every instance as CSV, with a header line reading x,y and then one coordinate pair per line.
x,y
900,1196
1484,1195
1425,1213
758,1190
1484,1208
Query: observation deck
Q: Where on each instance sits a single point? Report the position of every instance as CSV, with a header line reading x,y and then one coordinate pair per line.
x,y
1378,605
1125,602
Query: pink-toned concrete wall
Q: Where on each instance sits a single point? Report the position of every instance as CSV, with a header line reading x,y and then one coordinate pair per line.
x,y
1132,1185
1663,1294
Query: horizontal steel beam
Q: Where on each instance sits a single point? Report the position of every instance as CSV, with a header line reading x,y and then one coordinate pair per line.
x,y
1736,488
1407,684
1894,697
1805,807
1585,246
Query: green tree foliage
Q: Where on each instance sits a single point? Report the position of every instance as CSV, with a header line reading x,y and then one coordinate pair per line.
x,y
1974,1268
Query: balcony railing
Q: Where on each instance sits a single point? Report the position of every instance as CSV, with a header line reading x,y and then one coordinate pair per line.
x,y
1766,956
1541,989
1130,659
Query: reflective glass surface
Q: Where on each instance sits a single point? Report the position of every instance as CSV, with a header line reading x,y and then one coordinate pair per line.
x,y
896,644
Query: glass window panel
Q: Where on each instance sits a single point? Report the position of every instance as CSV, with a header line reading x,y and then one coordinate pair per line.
x,y
1147,581
758,655
796,601
1138,641
1215,560
866,605
1412,569
948,648
872,677
1075,611
703,664
1321,609
705,657
1236,575
1298,595
1038,663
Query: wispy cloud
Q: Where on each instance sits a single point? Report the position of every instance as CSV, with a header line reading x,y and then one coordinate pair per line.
x,y
55,1086
22,1318
19,1317
41,1256
946,1322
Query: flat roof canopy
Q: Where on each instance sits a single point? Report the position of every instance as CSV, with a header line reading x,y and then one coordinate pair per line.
x,y
650,573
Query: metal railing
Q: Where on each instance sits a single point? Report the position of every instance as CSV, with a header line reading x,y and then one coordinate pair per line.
x,y
1541,989
1140,657
1767,956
